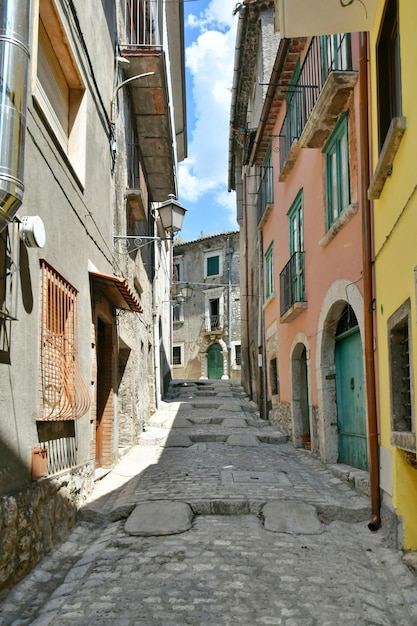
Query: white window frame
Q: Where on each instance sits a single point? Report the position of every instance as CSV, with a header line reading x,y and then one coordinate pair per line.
x,y
213,294
179,260
210,254
233,345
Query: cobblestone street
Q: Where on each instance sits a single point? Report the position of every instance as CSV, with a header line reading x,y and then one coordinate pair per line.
x,y
208,448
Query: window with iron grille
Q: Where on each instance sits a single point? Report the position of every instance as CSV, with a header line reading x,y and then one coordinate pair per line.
x,y
400,362
64,394
336,152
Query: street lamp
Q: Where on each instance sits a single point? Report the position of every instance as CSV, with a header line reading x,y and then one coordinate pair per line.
x,y
171,213
184,295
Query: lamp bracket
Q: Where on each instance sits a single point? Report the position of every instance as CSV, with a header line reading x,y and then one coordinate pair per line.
x,y
130,243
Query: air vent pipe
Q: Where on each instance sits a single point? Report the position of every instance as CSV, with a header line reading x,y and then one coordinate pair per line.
x,y
14,64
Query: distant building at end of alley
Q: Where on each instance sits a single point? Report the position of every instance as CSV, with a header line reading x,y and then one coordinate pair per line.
x,y
207,326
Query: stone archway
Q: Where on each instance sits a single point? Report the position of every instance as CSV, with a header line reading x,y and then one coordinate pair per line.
x,y
204,357
341,293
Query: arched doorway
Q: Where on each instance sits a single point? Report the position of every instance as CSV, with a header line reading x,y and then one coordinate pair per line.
x,y
215,361
300,396
350,392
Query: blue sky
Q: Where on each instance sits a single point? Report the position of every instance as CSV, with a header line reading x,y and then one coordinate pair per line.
x,y
210,32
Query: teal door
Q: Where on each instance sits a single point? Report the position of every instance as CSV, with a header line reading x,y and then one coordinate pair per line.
x,y
215,361
350,398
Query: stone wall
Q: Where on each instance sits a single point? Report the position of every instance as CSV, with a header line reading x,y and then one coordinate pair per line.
x,y
38,517
280,416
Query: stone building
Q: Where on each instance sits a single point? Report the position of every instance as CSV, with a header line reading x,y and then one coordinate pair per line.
x,y
206,327
92,103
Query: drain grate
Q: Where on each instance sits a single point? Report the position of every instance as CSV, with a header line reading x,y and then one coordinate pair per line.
x,y
265,478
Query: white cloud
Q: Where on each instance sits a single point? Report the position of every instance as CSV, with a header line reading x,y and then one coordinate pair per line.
x,y
218,14
209,60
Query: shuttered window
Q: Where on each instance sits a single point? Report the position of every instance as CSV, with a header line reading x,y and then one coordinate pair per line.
x,y
337,171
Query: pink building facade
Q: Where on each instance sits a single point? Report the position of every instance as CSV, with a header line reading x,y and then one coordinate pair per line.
x,y
300,172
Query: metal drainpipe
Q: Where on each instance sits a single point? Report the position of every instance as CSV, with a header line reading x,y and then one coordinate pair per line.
x,y
261,328
229,252
375,520
14,64
245,228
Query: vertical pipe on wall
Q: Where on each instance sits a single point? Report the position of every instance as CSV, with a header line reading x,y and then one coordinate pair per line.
x,y
14,64
373,447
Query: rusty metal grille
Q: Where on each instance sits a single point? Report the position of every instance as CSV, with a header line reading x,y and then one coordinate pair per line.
x,y
64,394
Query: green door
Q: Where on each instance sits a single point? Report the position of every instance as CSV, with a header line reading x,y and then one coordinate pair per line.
x,y
215,361
350,398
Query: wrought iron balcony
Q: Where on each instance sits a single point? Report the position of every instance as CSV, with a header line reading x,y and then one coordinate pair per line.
x,y
291,282
141,45
265,193
214,323
316,99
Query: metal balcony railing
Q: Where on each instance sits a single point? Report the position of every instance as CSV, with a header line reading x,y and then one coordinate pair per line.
x,y
265,191
216,322
291,283
141,18
326,54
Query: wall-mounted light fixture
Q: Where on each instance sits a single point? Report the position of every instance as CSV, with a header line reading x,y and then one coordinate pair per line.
x,y
184,294
171,213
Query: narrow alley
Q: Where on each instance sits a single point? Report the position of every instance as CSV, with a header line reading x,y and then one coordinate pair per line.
x,y
214,519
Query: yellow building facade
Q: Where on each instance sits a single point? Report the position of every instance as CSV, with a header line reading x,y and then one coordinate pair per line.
x,y
393,191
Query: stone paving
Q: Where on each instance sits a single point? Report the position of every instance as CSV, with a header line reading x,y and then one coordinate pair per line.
x,y
234,564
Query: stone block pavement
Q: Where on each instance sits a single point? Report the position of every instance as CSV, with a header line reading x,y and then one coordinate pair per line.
x,y
270,535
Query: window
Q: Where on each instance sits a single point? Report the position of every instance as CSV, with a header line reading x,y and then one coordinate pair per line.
x,y
178,269
293,98
64,394
335,53
401,375
214,309
273,377
336,153
177,358
215,321
266,188
59,90
212,263
388,70
238,354
292,276
269,272
295,216
178,312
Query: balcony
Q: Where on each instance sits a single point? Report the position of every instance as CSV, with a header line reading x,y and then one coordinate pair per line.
x,y
141,44
265,196
291,283
316,99
214,324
